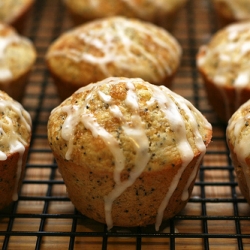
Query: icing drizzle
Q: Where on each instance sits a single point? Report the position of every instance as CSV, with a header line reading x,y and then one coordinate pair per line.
x,y
12,139
134,128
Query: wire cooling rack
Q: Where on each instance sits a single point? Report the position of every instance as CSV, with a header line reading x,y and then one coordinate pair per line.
x,y
216,216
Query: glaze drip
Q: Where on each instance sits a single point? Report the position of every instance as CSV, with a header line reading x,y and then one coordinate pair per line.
x,y
168,104
10,138
134,129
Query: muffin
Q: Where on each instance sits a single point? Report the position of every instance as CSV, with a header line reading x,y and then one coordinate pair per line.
x,y
17,57
159,12
15,134
238,138
229,11
114,46
128,151
224,66
15,12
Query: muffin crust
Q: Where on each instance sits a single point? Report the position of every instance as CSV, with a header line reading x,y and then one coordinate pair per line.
x,y
224,65
128,151
114,46
17,57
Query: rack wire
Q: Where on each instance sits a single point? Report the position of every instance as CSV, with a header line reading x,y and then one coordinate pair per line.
x,y
216,216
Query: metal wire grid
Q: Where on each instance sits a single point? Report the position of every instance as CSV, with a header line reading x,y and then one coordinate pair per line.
x,y
44,217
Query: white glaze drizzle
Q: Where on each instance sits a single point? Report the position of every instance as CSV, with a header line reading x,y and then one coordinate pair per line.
x,y
134,129
114,41
187,107
75,115
176,122
12,139
242,143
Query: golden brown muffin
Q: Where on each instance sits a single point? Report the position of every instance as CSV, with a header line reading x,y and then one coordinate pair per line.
x,y
238,139
160,12
229,11
17,57
15,135
115,46
15,12
224,65
128,150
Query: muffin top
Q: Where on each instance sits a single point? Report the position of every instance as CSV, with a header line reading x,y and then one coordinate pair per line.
x,y
120,123
15,127
12,9
115,46
144,9
17,54
238,9
225,60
